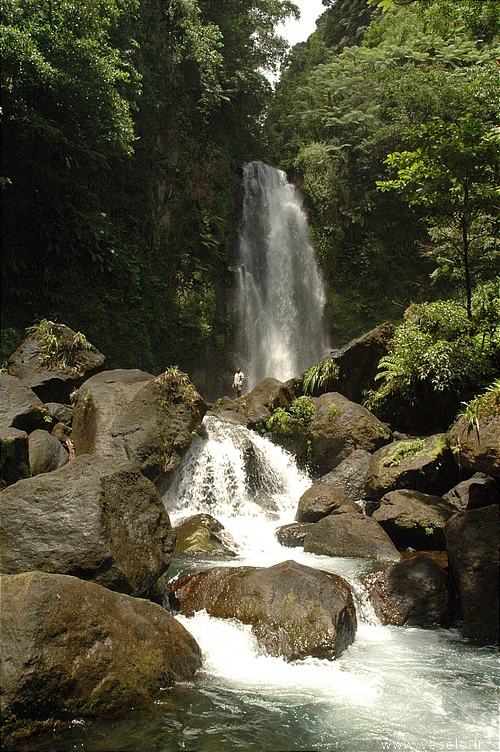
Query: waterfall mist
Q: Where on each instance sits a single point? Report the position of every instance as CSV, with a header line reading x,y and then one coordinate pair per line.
x,y
281,296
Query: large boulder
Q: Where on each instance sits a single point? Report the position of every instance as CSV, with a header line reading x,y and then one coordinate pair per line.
x,y
97,519
477,447
425,465
339,427
479,491
20,407
14,456
358,362
349,533
54,360
72,648
294,610
414,520
319,501
349,475
131,415
203,535
46,453
415,593
472,545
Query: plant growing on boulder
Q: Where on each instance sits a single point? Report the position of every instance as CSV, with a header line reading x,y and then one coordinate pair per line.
x,y
320,376
278,422
303,409
56,349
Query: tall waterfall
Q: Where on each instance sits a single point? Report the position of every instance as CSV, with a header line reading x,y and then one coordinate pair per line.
x,y
281,295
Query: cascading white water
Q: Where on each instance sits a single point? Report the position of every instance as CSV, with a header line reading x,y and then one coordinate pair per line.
x,y
394,688
281,295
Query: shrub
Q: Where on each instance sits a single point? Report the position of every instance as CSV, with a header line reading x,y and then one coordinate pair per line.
x,y
320,376
278,422
303,409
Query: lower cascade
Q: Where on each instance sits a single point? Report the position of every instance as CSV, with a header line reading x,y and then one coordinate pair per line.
x,y
393,688
281,295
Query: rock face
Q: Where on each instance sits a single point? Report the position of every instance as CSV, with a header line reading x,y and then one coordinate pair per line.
x,y
472,544
46,453
424,465
295,611
130,415
415,520
479,491
477,448
202,535
349,533
53,379
414,593
97,519
14,457
73,648
349,476
339,427
19,406
319,501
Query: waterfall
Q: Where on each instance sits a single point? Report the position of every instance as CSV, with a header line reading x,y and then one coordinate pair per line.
x,y
281,296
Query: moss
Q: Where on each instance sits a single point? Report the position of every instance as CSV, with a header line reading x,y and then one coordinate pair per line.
x,y
334,411
401,452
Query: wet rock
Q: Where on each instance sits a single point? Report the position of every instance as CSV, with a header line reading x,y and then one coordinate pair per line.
x,y
349,475
424,465
319,501
20,407
339,427
14,457
472,545
46,453
477,447
97,519
349,533
54,377
203,535
293,535
415,593
130,415
479,491
72,648
294,610
414,519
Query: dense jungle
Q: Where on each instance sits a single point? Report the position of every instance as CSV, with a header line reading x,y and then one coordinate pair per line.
x,y
125,127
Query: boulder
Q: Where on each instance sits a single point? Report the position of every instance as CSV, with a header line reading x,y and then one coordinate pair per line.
x,y
202,535
72,648
349,533
349,475
477,447
472,545
46,453
54,360
130,415
97,519
230,410
424,465
414,520
294,610
19,406
358,362
59,413
14,457
319,501
264,398
479,491
293,535
414,593
339,427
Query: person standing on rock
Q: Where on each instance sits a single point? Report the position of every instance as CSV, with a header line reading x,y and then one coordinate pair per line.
x,y
239,377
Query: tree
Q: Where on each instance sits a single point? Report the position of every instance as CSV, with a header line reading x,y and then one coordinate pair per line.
x,y
452,173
